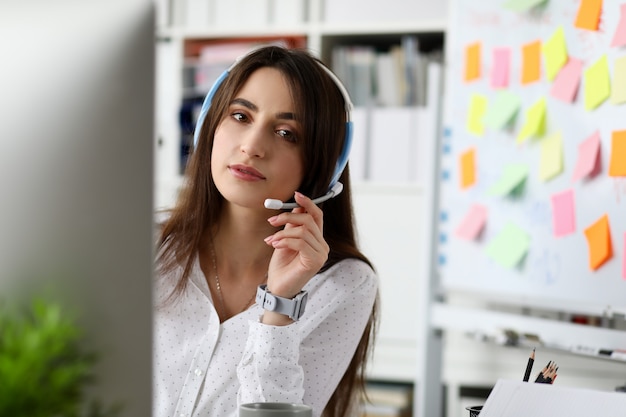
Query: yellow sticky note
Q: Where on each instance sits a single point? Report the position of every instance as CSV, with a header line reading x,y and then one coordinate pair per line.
x,y
477,108
588,15
597,83
617,166
531,62
599,242
551,160
535,124
618,91
555,53
472,61
467,167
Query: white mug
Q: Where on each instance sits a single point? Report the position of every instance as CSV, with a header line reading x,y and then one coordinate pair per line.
x,y
275,410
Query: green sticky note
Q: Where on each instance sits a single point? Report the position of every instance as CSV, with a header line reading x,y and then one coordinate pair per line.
x,y
502,110
535,124
509,247
597,83
555,53
551,160
618,92
522,5
511,180
478,106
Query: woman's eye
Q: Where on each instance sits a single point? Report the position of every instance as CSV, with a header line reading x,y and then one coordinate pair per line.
x,y
286,134
240,117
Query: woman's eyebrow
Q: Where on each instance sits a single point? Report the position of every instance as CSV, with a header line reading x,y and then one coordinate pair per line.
x,y
245,103
253,107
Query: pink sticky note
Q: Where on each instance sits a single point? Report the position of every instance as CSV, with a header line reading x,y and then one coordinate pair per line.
x,y
588,162
501,67
566,83
619,38
563,213
473,223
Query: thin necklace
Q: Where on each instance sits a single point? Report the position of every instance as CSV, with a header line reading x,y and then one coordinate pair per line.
x,y
219,288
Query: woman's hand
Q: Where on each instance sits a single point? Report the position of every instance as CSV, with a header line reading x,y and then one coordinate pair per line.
x,y
300,248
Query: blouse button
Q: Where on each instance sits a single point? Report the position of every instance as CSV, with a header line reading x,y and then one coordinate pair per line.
x,y
198,372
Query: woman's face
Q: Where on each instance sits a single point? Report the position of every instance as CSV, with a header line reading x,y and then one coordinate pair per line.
x,y
257,152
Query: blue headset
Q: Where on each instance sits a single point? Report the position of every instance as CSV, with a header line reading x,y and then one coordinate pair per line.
x,y
335,186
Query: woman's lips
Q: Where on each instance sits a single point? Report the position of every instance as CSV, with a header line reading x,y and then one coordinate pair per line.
x,y
246,173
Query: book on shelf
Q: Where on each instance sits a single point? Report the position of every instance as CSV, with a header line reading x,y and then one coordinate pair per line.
x,y
397,76
355,67
391,141
205,61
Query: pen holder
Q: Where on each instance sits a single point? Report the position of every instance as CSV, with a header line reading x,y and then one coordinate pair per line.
x,y
474,410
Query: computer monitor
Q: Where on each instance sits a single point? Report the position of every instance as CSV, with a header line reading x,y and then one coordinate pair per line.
x,y
76,158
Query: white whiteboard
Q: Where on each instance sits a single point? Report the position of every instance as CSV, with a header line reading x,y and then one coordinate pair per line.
x,y
553,268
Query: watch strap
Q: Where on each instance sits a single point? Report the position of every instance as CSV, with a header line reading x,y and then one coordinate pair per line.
x,y
291,307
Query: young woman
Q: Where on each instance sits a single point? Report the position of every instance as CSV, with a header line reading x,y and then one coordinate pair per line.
x,y
275,128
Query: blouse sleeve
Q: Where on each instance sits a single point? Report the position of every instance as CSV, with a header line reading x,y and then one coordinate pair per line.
x,y
304,362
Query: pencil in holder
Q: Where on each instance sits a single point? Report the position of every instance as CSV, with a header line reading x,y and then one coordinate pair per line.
x,y
474,410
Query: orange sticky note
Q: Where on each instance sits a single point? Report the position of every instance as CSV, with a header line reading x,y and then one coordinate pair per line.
x,y
472,61
588,15
468,168
599,242
531,62
617,166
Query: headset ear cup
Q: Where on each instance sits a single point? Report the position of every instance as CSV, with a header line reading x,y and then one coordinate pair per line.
x,y
206,105
342,161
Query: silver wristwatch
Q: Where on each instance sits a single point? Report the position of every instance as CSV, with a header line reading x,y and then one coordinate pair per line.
x,y
292,307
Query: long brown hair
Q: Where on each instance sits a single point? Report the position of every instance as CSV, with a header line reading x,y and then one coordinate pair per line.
x,y
321,107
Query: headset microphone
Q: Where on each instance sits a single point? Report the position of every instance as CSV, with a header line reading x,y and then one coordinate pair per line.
x,y
273,204
335,186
